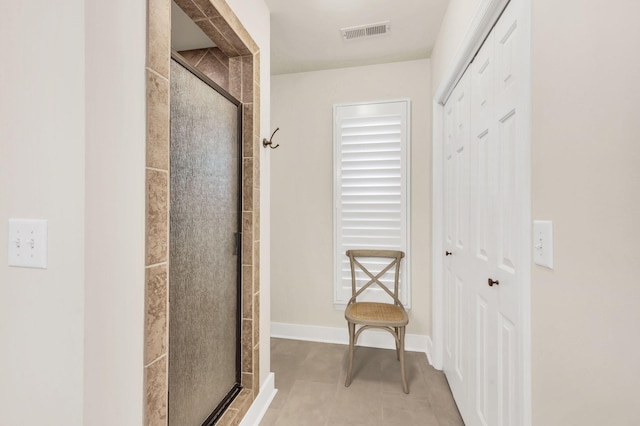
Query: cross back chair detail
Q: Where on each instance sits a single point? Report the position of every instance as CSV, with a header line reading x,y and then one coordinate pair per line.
x,y
391,317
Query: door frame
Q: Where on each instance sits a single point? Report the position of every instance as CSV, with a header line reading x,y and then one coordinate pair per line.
x,y
485,18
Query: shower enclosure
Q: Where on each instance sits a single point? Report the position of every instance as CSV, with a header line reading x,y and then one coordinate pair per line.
x,y
205,264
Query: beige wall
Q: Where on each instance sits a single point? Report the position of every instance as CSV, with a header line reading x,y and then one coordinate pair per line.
x,y
586,311
302,186
114,206
42,177
586,178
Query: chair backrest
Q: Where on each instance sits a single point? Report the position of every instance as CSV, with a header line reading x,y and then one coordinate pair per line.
x,y
394,257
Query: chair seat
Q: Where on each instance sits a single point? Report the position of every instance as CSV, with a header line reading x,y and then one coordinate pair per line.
x,y
376,314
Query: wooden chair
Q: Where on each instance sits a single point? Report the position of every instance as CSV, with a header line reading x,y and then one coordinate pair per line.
x,y
391,317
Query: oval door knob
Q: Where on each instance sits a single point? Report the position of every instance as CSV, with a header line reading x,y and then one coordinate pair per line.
x,y
447,253
492,282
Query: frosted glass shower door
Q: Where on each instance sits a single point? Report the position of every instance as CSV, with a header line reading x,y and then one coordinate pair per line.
x,y
204,255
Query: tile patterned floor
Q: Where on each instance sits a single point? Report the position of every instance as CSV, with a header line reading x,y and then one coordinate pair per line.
x,y
311,392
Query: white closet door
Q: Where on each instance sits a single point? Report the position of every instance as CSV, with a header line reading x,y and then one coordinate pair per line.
x,y
508,120
483,187
456,268
483,355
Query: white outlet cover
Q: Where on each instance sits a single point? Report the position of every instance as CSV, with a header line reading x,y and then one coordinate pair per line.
x,y
543,243
28,243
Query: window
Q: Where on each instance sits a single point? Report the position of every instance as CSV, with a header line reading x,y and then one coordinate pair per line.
x,y
371,189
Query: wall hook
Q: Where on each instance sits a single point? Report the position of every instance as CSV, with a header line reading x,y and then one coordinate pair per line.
x,y
269,143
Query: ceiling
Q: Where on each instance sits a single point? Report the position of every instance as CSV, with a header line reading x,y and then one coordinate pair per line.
x,y
305,34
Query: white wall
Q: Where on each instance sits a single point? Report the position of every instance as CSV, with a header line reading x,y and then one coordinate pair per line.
x,y
42,176
302,186
586,177
255,17
115,212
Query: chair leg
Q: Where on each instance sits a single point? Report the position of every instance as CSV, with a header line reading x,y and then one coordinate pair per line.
x,y
405,387
352,331
397,336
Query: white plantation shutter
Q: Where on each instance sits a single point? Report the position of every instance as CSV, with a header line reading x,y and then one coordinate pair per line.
x,y
371,191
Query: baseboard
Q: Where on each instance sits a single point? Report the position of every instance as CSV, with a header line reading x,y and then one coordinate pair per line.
x,y
429,349
260,405
370,338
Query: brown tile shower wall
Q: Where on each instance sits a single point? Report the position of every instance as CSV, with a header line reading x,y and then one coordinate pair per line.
x,y
212,62
234,65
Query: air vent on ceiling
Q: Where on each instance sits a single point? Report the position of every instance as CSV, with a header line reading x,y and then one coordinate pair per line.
x,y
365,30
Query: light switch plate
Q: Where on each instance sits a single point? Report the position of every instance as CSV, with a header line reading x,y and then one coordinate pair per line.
x,y
28,243
543,243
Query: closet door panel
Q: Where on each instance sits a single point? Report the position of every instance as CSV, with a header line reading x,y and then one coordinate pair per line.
x,y
508,86
456,168
483,210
